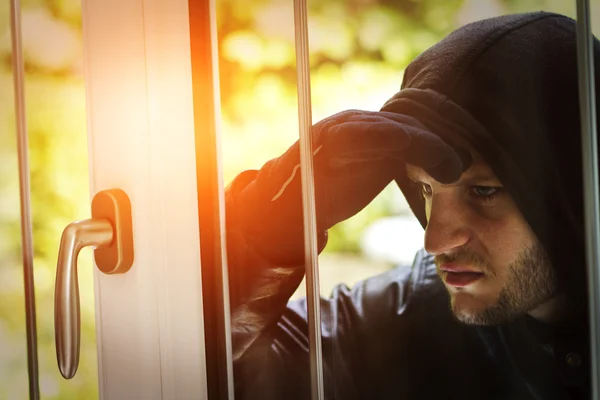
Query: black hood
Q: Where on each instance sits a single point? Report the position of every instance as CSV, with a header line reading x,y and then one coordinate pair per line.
x,y
508,85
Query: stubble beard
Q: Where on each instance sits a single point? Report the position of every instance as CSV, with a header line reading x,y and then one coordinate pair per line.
x,y
531,282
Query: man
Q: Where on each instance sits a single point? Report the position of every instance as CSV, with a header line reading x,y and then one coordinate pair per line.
x,y
484,141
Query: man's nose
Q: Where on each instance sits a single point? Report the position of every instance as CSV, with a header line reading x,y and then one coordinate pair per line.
x,y
447,226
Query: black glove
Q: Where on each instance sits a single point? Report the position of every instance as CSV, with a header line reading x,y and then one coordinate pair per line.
x,y
356,154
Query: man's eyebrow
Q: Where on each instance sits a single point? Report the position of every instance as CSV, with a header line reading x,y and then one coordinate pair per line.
x,y
475,179
474,175
485,176
468,180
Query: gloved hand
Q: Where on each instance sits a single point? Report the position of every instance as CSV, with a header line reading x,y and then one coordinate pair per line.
x,y
356,154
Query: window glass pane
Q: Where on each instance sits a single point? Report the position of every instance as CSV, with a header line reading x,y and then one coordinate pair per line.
x,y
264,226
13,363
56,119
483,141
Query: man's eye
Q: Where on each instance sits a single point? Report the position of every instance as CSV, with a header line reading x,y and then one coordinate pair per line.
x,y
426,189
486,192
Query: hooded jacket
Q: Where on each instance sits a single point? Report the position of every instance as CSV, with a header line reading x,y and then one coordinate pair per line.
x,y
508,86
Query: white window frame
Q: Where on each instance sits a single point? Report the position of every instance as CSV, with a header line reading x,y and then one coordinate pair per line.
x,y
149,321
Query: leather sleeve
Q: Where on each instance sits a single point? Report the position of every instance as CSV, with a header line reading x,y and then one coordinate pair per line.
x,y
358,325
259,286
270,335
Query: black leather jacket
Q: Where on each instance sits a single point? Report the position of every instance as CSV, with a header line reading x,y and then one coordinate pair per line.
x,y
393,337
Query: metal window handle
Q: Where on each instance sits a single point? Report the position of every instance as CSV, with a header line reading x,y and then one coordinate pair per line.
x,y
109,231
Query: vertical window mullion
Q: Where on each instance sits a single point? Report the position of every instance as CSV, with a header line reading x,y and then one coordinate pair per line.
x,y
590,174
25,195
308,200
211,203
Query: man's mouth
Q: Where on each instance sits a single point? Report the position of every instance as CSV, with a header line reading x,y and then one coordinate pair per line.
x,y
459,276
461,279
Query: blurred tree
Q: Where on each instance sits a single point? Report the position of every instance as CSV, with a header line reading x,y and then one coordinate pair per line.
x,y
55,106
358,50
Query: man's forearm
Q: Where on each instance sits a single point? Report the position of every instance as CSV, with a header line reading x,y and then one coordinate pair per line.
x,y
260,282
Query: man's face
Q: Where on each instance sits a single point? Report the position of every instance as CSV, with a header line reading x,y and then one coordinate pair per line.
x,y
486,254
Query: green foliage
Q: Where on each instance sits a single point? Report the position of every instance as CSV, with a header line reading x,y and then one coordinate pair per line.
x,y
358,50
55,106
59,187
345,236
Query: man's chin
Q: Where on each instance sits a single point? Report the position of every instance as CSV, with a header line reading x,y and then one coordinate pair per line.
x,y
467,309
